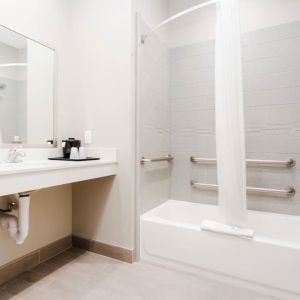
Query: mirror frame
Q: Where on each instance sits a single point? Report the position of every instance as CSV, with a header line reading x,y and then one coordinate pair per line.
x,y
55,96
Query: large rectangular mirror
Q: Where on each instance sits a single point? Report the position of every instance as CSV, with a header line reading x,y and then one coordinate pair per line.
x,y
27,90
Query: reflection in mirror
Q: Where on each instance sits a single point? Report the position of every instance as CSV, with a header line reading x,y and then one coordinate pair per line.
x,y
26,90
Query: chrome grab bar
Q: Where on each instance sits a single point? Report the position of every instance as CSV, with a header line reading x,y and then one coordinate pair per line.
x,y
167,158
289,192
250,162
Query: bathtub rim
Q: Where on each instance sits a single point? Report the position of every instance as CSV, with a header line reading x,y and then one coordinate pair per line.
x,y
150,216
264,289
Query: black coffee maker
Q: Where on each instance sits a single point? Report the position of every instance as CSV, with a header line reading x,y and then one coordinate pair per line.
x,y
68,144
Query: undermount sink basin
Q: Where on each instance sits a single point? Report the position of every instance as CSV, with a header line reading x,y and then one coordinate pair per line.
x,y
26,165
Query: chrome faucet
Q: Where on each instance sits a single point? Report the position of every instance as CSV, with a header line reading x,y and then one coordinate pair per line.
x,y
14,155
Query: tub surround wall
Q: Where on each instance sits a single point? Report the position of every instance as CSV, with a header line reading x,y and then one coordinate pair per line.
x,y
192,119
271,66
154,121
200,26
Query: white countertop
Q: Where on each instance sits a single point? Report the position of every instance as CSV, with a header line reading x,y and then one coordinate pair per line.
x,y
37,172
48,165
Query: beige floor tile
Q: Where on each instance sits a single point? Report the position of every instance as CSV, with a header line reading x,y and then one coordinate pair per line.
x,y
79,275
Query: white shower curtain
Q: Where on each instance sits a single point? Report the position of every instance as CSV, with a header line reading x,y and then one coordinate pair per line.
x,y
230,133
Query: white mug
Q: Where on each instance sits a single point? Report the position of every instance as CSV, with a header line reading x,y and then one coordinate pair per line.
x,y
74,153
82,153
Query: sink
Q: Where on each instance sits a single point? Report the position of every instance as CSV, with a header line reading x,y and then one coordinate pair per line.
x,y
34,174
26,166
46,165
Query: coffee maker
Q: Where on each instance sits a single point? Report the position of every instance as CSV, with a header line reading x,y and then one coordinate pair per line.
x,y
68,144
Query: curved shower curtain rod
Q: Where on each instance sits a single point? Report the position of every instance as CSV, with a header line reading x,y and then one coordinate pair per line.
x,y
178,15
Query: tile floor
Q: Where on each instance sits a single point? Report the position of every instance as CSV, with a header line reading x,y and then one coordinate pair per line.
x,y
76,274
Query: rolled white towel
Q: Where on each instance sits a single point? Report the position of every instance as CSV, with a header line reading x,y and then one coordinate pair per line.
x,y
227,229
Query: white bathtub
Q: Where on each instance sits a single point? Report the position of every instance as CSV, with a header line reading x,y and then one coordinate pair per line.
x,y
171,235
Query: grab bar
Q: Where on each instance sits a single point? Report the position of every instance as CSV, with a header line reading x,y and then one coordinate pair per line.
x,y
250,162
289,192
167,158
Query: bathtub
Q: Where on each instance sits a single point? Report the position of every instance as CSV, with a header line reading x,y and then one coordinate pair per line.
x,y
270,263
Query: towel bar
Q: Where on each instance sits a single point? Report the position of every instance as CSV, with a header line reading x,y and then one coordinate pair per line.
x,y
167,158
250,162
289,192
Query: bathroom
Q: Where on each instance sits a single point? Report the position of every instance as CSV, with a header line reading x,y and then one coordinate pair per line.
x,y
139,83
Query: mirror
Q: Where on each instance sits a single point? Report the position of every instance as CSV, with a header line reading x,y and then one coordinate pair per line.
x,y
27,71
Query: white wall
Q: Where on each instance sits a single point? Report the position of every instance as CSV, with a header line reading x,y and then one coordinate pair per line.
x,y
258,14
255,14
153,12
43,20
8,55
153,121
271,63
270,69
193,27
94,44
100,61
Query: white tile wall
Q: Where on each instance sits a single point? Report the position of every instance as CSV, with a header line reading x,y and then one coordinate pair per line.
x,y
154,122
177,114
271,69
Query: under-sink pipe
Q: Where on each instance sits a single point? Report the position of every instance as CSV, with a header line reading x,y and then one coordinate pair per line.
x,y
10,222
18,227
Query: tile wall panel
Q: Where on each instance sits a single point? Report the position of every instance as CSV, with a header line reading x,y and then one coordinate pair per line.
x,y
271,71
154,122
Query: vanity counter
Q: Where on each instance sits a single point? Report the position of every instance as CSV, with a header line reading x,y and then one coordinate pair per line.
x,y
43,173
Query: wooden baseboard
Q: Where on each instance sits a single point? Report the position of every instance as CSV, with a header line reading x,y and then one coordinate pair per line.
x,y
29,261
122,254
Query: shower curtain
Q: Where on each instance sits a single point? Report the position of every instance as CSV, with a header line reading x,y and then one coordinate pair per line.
x,y
230,132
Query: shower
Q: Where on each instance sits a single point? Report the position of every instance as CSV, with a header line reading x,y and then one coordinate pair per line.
x,y
213,169
230,141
